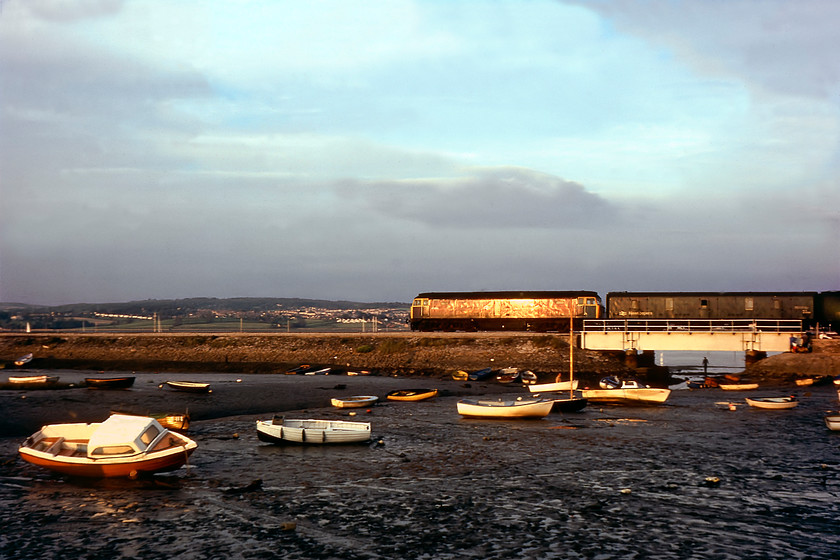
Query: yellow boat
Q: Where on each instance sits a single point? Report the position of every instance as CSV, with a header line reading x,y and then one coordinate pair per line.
x,y
411,394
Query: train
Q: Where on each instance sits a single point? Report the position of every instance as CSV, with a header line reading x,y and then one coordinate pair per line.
x,y
548,311
541,311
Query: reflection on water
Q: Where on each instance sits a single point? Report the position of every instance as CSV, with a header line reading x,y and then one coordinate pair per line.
x,y
692,362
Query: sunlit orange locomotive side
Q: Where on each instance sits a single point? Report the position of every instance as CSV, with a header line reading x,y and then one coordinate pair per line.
x,y
541,311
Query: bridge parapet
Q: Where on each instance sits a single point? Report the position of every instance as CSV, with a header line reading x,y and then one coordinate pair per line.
x,y
693,325
765,335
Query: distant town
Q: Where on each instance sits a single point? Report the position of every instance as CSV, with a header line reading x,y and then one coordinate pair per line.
x,y
208,315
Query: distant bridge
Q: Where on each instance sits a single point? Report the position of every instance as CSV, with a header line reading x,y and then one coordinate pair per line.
x,y
758,335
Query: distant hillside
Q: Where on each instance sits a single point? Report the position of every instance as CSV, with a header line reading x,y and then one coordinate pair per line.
x,y
196,314
183,306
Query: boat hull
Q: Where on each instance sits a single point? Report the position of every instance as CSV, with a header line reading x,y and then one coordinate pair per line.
x,y
738,386
641,395
179,422
480,375
23,360
528,377
33,379
558,386
109,382
152,465
504,409
318,432
411,394
779,403
354,402
188,386
832,422
569,405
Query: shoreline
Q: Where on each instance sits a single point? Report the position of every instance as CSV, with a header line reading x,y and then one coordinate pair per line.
x,y
26,410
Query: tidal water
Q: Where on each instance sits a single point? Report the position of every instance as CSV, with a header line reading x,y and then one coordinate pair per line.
x,y
690,479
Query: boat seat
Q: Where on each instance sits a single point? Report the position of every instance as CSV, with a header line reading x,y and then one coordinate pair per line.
x,y
55,447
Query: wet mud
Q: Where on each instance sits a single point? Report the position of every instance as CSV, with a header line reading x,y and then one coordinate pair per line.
x,y
690,479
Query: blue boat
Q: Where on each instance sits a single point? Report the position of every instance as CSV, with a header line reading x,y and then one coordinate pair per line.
x,y
480,375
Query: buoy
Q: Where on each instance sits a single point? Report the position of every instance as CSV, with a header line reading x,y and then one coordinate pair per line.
x,y
625,491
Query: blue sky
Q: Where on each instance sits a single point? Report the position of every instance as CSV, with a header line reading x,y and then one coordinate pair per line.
x,y
372,150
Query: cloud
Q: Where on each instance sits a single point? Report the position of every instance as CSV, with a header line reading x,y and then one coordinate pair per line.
x,y
499,198
774,45
61,11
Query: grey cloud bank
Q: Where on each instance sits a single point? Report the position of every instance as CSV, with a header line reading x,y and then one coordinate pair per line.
x,y
165,151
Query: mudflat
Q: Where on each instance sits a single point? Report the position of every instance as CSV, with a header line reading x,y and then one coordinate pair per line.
x,y
688,479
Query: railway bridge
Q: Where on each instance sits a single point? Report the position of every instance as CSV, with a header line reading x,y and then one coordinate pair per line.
x,y
755,337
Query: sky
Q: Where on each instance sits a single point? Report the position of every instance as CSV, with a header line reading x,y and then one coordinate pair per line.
x,y
369,151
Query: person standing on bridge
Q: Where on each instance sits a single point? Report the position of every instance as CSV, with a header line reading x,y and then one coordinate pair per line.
x,y
705,364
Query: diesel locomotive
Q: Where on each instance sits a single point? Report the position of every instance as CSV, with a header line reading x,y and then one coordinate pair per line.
x,y
540,311
554,310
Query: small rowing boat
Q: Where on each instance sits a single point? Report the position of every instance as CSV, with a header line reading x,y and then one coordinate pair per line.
x,y
169,420
33,379
411,394
25,359
832,421
518,408
737,386
188,386
357,401
773,403
507,375
480,374
557,386
109,382
528,377
282,430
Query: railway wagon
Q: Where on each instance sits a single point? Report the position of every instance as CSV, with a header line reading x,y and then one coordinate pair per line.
x,y
541,311
713,305
828,310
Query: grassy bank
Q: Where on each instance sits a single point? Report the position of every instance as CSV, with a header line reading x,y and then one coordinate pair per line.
x,y
386,353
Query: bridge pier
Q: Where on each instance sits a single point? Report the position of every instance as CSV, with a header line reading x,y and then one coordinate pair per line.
x,y
753,356
634,360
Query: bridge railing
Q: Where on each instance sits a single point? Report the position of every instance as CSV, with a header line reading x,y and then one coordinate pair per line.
x,y
693,325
